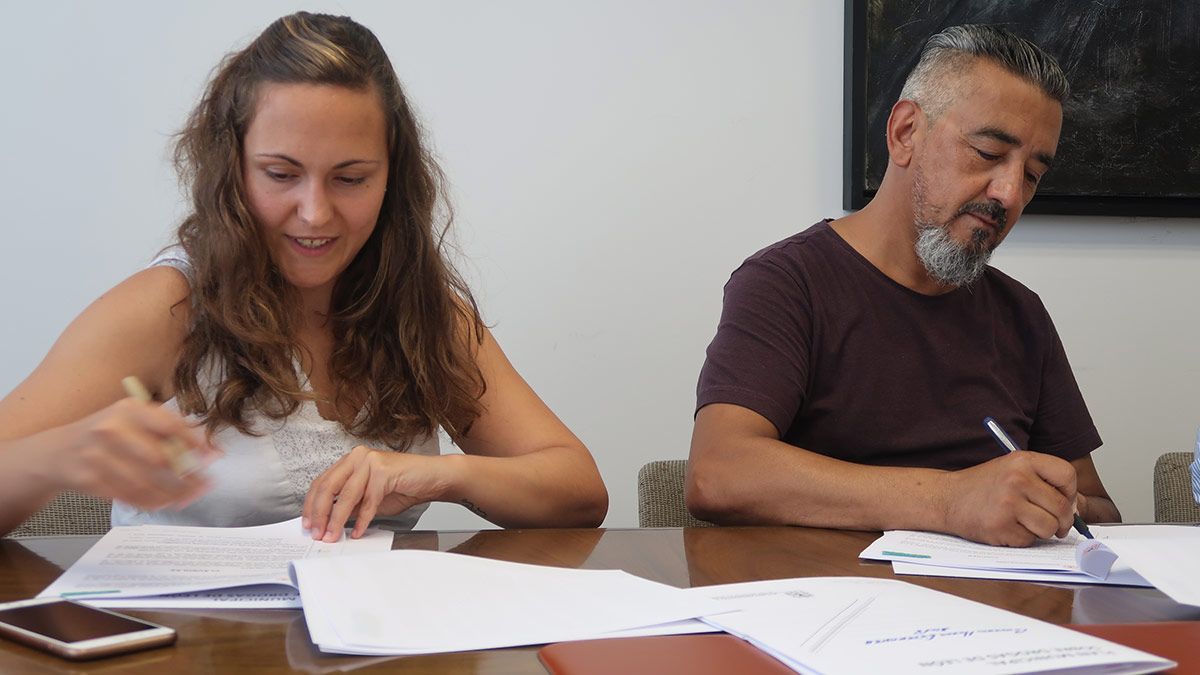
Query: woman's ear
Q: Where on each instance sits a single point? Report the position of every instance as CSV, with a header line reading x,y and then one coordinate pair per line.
x,y
905,125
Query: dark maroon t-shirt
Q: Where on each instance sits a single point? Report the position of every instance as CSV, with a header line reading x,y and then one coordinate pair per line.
x,y
848,363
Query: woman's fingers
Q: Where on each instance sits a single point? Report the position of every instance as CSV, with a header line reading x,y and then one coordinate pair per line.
x,y
127,482
319,502
119,453
361,485
369,506
348,501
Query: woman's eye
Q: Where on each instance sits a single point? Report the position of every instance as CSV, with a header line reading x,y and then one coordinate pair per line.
x,y
277,175
349,180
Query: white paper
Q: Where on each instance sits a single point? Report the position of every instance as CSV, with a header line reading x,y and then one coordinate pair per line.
x,y
1135,555
1071,555
176,566
1120,575
423,602
685,627
855,625
1165,555
929,548
261,596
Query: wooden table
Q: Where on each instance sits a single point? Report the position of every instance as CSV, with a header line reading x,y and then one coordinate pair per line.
x,y
220,641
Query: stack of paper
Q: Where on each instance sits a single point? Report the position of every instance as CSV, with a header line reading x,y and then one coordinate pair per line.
x,y
855,625
420,602
426,602
1072,559
161,566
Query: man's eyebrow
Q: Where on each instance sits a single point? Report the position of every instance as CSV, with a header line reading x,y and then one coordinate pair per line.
x,y
1008,139
997,134
296,163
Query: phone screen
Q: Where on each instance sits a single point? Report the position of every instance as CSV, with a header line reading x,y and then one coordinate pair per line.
x,y
70,622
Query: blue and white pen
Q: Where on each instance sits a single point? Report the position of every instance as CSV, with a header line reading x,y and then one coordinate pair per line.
x,y
1007,443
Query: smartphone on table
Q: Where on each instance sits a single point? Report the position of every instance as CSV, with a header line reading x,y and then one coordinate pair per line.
x,y
76,631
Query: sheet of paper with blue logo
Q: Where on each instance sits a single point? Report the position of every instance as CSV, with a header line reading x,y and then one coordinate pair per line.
x,y
856,625
1071,559
171,566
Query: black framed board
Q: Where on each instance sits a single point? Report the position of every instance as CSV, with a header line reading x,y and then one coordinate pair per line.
x,y
1131,130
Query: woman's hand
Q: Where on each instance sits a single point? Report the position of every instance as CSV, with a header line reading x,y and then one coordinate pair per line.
x,y
366,483
120,452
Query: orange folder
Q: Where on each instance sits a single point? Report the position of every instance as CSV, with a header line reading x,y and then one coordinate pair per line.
x,y
1175,640
707,654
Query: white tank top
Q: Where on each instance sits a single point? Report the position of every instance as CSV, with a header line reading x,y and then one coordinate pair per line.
x,y
263,479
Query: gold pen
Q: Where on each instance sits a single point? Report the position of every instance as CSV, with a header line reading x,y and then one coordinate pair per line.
x,y
183,460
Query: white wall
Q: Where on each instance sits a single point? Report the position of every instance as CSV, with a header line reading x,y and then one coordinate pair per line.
x,y
611,162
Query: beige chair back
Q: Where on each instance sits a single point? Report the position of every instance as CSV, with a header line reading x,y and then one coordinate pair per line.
x,y
69,513
660,496
1173,499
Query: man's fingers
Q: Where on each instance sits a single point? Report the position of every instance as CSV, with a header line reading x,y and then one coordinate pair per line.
x,y
1049,499
1018,498
1056,471
1045,493
1037,520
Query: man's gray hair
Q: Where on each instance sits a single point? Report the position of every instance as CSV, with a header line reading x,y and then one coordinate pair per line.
x,y
955,49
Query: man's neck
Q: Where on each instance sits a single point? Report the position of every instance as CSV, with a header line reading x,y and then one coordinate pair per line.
x,y
885,235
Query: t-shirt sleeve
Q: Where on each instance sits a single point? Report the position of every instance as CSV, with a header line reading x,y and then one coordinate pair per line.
x,y
759,357
1063,425
174,256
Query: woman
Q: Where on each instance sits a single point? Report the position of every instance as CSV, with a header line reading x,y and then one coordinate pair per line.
x,y
308,318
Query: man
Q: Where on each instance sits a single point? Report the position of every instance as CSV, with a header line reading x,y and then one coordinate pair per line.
x,y
855,362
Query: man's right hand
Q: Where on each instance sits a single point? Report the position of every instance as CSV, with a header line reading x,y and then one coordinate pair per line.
x,y
1011,500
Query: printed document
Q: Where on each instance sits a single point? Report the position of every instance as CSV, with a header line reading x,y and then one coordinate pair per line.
x,y
1072,559
193,567
1120,574
848,625
1131,555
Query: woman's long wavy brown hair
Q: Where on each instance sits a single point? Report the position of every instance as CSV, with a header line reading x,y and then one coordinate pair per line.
x,y
404,323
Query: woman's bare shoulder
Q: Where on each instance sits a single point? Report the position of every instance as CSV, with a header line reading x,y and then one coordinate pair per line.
x,y
135,328
153,302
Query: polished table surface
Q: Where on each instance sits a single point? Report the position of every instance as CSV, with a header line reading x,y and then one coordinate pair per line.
x,y
277,640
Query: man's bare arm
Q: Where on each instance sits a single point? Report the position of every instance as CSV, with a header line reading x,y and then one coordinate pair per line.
x,y
740,472
1095,506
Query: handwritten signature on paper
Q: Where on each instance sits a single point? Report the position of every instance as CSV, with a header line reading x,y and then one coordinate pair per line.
x,y
931,634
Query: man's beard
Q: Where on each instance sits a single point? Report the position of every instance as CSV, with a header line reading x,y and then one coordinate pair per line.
x,y
947,261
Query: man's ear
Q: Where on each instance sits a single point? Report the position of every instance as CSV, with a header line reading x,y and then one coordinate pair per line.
x,y
905,126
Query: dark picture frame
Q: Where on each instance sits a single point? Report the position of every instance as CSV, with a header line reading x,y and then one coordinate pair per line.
x,y
1131,131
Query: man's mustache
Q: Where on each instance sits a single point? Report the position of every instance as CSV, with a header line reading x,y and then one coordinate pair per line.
x,y
991,210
